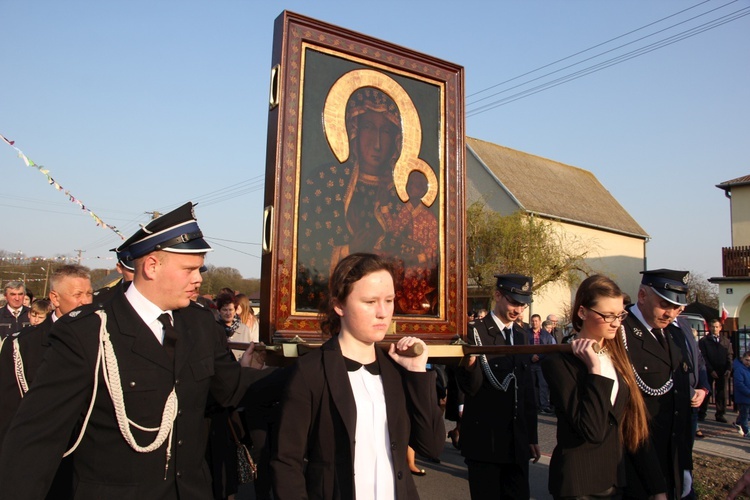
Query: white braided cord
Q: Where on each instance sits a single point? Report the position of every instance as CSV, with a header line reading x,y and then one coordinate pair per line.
x,y
494,382
23,385
646,389
111,373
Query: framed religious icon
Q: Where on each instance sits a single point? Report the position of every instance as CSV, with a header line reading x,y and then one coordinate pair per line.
x,y
365,154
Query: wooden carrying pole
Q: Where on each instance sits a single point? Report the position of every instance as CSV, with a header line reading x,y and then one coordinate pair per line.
x,y
436,351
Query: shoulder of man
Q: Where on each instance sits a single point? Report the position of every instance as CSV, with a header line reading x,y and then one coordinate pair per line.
x,y
481,325
197,308
196,311
80,313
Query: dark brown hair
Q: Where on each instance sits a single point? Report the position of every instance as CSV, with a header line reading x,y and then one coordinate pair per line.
x,y
348,271
224,299
634,428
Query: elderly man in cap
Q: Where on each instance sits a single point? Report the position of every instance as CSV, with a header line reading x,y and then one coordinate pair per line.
x,y
129,379
499,423
655,347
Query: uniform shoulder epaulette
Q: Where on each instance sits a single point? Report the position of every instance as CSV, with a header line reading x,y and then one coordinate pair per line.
x,y
197,304
81,312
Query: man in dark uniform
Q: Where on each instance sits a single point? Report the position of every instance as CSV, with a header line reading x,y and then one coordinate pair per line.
x,y
653,343
70,288
499,422
124,266
150,356
14,315
717,353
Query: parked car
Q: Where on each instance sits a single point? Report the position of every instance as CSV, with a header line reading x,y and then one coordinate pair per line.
x,y
697,323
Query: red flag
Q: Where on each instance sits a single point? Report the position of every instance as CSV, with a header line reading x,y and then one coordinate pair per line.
x,y
724,313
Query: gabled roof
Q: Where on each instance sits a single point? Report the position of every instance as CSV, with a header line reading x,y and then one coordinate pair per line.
x,y
739,181
555,190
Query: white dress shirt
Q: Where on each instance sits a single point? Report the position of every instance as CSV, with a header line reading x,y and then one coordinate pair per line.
x,y
148,311
373,462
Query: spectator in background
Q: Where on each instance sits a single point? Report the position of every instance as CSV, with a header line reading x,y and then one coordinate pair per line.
x,y
14,315
247,316
699,387
717,353
742,391
539,336
481,313
38,311
556,331
28,299
235,329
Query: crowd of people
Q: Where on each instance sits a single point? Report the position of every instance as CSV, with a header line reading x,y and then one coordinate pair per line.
x,y
133,391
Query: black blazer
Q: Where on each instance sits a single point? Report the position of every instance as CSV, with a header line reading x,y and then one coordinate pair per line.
x,y
588,458
717,355
10,324
496,427
105,465
32,342
315,446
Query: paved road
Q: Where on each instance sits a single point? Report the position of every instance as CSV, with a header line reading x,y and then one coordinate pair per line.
x,y
448,481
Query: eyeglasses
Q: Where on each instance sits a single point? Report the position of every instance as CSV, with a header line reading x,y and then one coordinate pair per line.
x,y
611,318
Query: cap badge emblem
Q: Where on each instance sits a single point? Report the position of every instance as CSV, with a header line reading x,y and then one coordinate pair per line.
x,y
685,279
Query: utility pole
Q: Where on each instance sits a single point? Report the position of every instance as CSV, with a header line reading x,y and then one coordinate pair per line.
x,y
79,255
46,279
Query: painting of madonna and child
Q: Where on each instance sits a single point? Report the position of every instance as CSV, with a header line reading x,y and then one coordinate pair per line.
x,y
370,182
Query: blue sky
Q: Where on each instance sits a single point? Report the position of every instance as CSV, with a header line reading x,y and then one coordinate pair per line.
x,y
139,106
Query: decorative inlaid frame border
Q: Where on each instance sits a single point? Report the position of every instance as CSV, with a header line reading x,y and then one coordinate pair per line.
x,y
296,40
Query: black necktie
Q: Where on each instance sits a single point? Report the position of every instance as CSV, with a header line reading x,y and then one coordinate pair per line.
x,y
508,335
170,334
661,338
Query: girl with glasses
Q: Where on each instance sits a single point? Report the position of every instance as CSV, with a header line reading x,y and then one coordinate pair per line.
x,y
600,410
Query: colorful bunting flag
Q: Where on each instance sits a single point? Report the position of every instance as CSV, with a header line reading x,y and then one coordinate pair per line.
x,y
58,187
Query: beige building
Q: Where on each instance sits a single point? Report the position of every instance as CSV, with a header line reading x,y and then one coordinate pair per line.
x,y
734,284
506,180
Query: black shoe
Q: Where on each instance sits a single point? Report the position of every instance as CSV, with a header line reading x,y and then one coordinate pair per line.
x,y
454,435
720,418
547,411
420,472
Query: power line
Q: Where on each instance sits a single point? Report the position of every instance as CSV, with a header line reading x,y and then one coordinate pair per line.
x,y
233,249
233,241
586,50
609,62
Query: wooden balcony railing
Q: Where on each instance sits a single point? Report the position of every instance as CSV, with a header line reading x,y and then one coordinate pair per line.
x,y
736,261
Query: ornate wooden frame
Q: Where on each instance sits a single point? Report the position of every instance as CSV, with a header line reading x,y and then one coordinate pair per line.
x,y
313,65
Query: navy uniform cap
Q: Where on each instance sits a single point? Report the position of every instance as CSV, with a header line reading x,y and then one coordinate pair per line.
x,y
123,257
176,232
517,286
668,284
